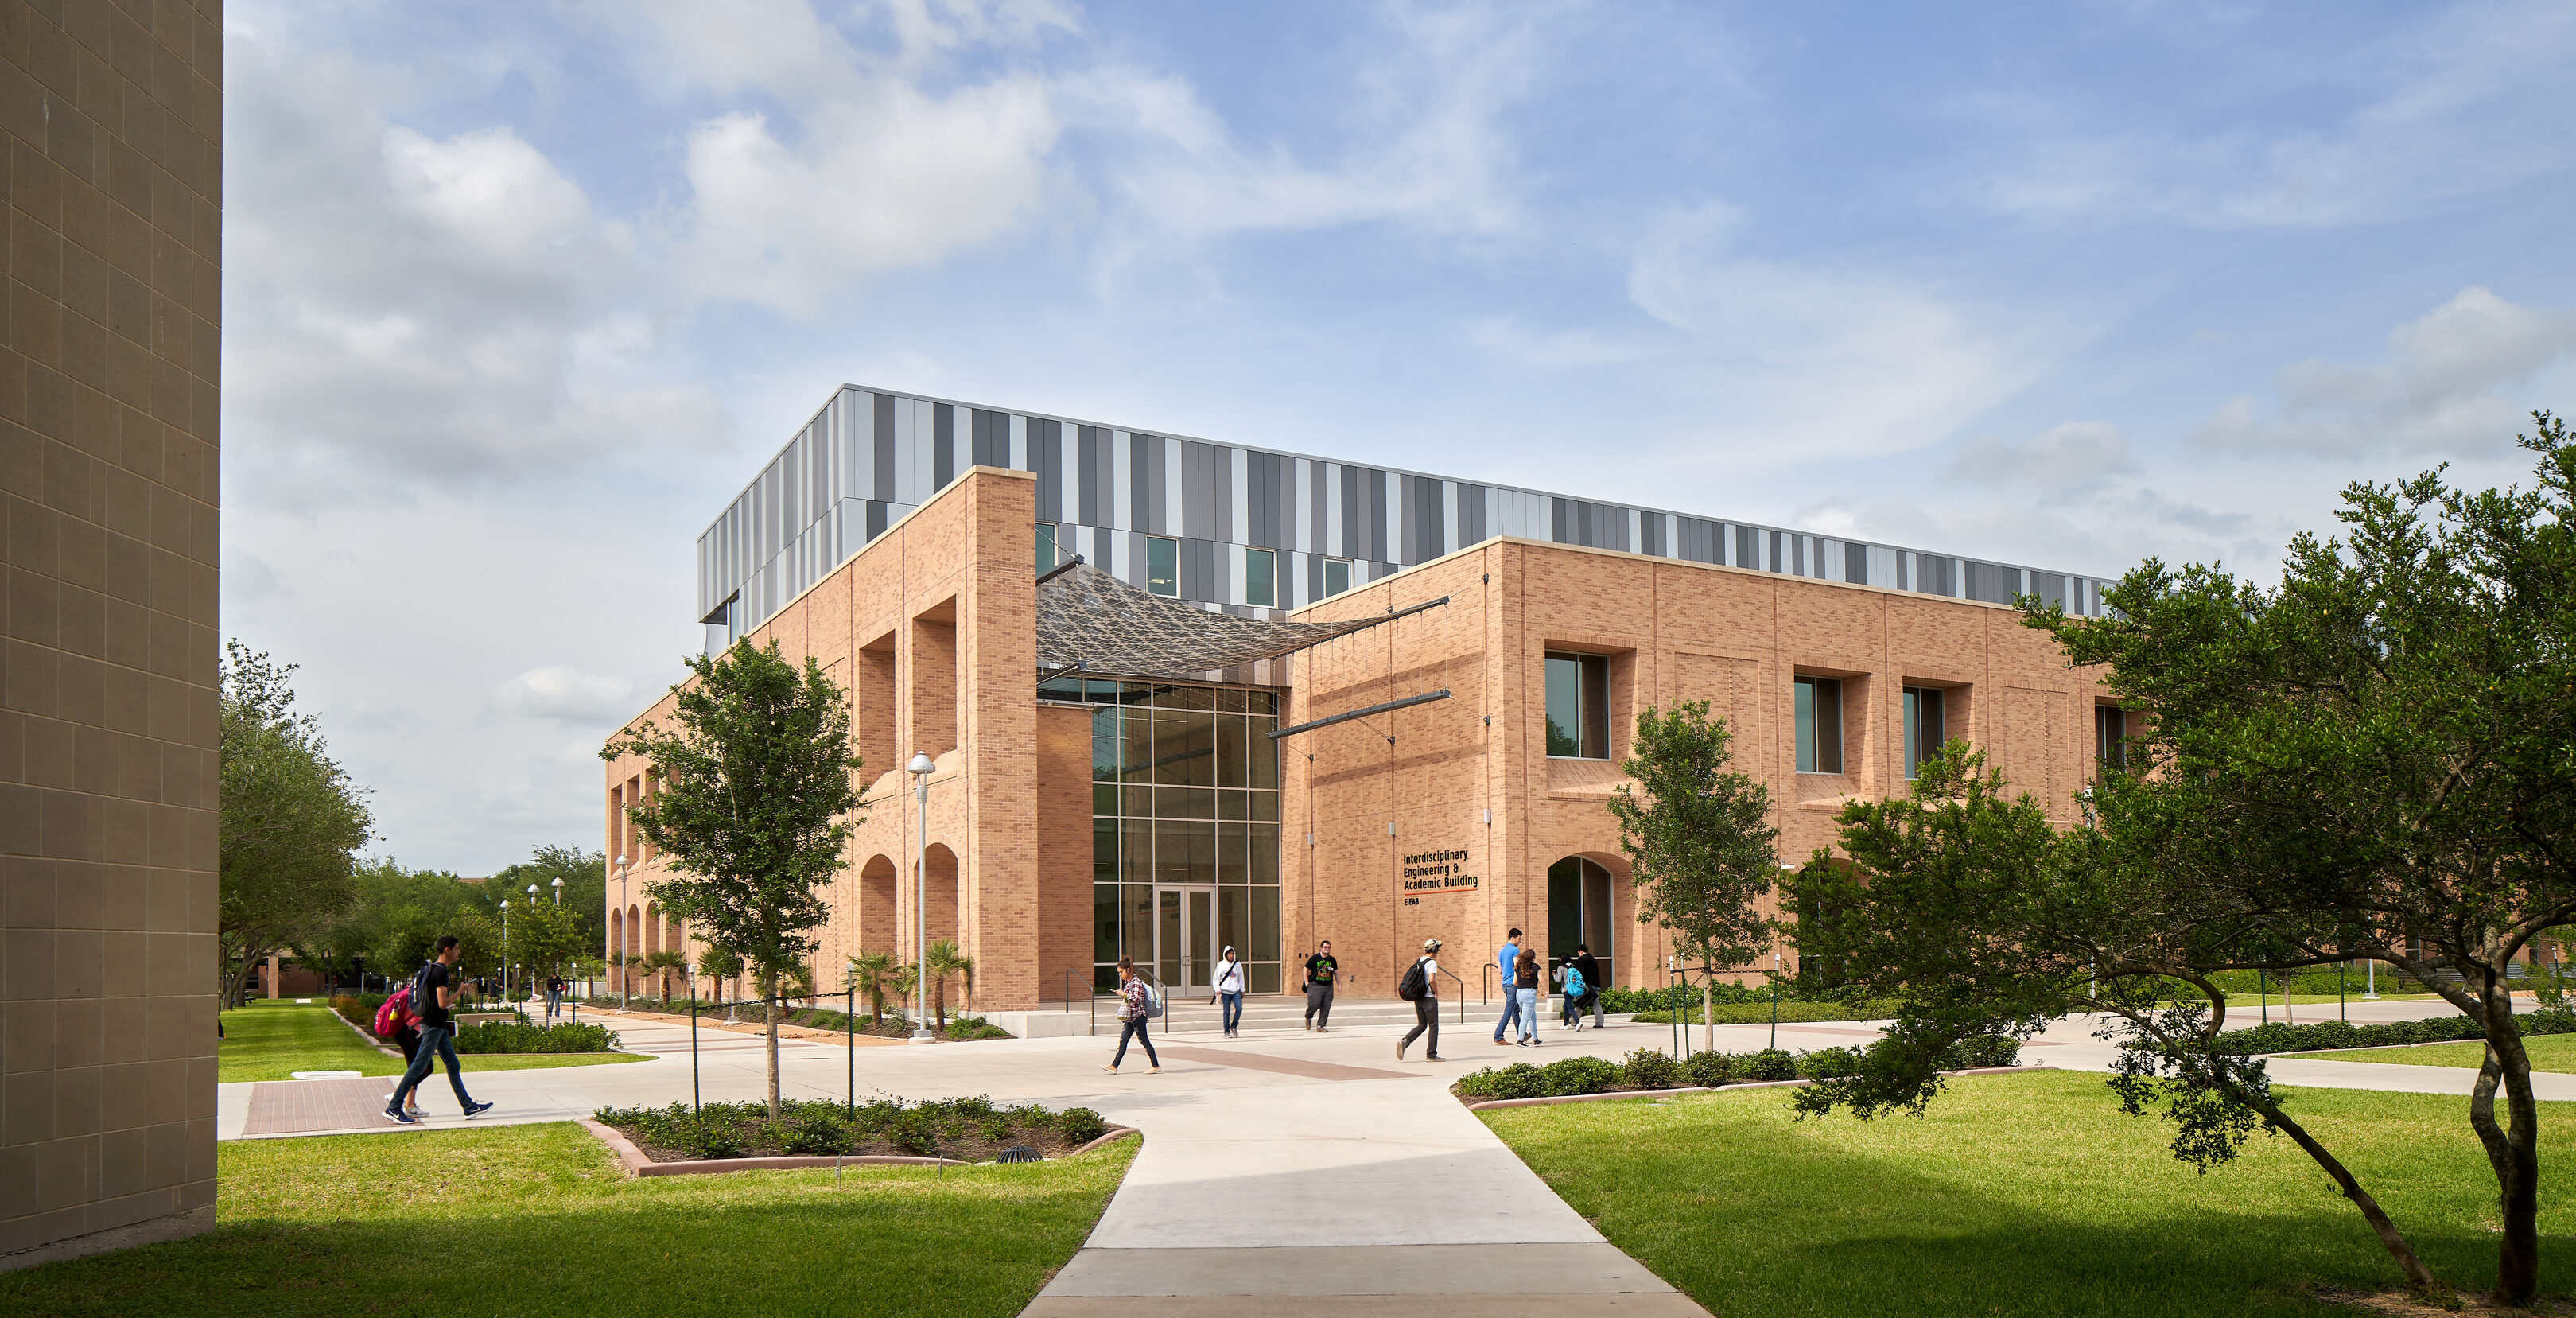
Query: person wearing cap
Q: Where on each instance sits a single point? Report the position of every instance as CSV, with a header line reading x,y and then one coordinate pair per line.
x,y
1426,1009
1229,989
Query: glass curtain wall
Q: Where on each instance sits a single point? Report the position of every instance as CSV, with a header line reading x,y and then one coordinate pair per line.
x,y
1578,913
1184,828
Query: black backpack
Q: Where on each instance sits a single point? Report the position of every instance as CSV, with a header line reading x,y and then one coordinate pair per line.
x,y
1416,985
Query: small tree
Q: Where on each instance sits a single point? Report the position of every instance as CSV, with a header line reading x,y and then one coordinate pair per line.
x,y
945,960
723,965
1698,840
873,973
754,808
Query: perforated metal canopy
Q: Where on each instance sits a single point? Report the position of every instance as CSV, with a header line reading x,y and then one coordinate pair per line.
x,y
1089,618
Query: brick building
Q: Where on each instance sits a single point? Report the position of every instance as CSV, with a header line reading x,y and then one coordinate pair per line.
x,y
1137,804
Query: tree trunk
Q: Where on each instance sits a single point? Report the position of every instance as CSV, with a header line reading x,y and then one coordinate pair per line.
x,y
2512,1150
769,992
2389,1237
940,995
1708,1011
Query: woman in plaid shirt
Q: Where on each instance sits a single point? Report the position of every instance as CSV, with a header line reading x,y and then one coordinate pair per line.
x,y
1133,998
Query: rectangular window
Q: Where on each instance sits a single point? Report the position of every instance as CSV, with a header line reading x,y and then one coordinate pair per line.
x,y
1046,546
1162,565
2111,736
1578,706
1260,578
1820,724
1925,728
1337,577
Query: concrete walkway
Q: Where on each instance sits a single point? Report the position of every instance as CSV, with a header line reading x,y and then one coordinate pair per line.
x,y
1315,1168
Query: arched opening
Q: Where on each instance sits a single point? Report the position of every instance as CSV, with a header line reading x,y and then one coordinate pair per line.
x,y
617,943
652,928
633,947
1580,901
877,906
944,898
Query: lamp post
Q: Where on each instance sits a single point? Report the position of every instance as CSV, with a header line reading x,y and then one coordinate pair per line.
x,y
920,768
625,934
558,890
505,949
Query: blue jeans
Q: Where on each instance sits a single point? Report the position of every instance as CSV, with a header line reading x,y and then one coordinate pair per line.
x,y
1511,1012
1140,1030
1233,1010
437,1043
1528,1003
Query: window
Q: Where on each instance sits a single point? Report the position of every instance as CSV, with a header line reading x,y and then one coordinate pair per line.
x,y
1260,578
1046,546
1578,706
1337,577
1820,725
2111,736
1162,565
1925,728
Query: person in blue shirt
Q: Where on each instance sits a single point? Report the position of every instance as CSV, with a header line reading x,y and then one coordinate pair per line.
x,y
1508,957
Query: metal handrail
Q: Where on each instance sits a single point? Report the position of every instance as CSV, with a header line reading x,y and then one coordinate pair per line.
x,y
1491,968
1462,994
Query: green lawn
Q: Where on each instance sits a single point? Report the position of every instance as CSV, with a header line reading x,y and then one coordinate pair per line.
x,y
272,1041
2026,1194
2549,1052
534,1220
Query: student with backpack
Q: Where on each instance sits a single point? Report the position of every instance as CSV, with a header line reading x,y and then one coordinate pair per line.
x,y
1229,989
1138,1005
396,1024
1421,987
1508,956
434,990
1571,1017
1591,1000
1525,987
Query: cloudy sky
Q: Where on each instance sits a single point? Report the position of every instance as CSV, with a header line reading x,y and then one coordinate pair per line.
x,y
520,293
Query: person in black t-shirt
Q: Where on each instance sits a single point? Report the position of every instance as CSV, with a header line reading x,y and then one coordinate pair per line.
x,y
434,997
1321,970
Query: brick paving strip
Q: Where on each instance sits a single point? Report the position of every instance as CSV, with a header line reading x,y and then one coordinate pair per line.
x,y
1280,1065
297,1107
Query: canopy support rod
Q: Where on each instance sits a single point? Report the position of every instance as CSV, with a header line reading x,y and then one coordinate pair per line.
x,y
1058,570
1046,675
1441,694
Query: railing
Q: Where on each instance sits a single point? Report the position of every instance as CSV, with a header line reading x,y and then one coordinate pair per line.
x,y
1490,969
1462,994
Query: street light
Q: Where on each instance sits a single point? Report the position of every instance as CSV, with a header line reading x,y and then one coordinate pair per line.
x,y
625,933
505,949
920,769
558,890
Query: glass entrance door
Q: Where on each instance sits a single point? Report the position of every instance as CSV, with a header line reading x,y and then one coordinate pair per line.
x,y
1185,937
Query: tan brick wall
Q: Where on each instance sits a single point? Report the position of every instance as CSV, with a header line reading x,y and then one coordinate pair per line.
x,y
112,162
1064,849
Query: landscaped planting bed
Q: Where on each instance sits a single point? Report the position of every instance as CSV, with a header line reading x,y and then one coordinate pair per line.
x,y
2282,1037
1646,1070
964,1129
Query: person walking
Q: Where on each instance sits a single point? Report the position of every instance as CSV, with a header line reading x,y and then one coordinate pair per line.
x,y
1524,983
1574,984
1135,1018
554,998
1321,970
434,997
1585,962
1421,986
1229,989
1508,957
407,1038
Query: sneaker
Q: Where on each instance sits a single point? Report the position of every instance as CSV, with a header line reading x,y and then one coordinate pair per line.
x,y
1321,1030
400,1118
1524,1043
1433,1057
1110,1069
1153,1070
1399,1050
1534,1043
477,1110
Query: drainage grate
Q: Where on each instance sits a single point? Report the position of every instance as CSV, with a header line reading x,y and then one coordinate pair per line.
x,y
1020,1153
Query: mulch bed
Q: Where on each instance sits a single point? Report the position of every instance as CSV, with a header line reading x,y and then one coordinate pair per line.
x,y
967,1146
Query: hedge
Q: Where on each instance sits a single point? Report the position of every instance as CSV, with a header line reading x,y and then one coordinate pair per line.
x,y
2283,1037
1649,1069
522,1037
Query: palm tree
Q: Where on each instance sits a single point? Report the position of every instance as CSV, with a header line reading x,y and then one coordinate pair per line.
x,y
873,974
944,960
660,965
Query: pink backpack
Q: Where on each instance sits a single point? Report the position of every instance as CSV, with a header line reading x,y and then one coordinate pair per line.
x,y
390,1016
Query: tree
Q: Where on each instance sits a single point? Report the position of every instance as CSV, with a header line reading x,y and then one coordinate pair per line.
x,y
291,821
585,888
545,937
943,960
873,973
723,965
757,794
2369,760
1698,840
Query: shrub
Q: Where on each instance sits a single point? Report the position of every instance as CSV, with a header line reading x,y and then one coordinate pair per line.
x,y
1768,1064
709,1138
1649,1069
1982,1050
1578,1075
1710,1069
914,1131
523,1037
1826,1063
1519,1080
1080,1125
974,1108
815,1133
2283,1037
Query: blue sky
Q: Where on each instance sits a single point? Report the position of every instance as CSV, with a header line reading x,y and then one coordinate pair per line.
x,y
519,294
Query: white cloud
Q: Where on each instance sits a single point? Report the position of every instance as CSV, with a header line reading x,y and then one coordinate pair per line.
x,y
2073,456
567,695
2451,384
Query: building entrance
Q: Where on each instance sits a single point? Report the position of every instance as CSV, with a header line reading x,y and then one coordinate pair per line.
x,y
1185,937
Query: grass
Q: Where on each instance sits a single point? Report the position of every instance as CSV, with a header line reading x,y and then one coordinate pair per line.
x,y
272,1041
2549,1052
534,1220
2026,1194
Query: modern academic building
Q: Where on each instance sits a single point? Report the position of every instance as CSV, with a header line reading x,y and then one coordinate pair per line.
x,y
1183,694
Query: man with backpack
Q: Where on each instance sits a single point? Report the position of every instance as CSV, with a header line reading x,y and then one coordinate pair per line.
x,y
395,1022
433,993
1421,987
1590,967
1138,1005
1509,958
